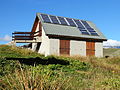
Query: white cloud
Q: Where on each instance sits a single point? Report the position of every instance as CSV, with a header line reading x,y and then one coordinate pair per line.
x,y
6,38
111,42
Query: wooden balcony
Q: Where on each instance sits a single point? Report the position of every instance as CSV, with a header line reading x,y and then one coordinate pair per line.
x,y
26,37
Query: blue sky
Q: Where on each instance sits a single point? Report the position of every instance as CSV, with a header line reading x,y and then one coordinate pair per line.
x,y
19,15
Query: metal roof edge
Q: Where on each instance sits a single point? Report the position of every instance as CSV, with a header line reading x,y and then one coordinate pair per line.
x,y
73,37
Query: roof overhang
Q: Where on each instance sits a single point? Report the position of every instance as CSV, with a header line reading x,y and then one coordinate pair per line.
x,y
75,38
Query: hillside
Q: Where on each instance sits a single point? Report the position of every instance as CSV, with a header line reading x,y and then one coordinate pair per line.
x,y
22,69
111,52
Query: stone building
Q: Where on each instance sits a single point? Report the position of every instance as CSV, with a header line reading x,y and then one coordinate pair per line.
x,y
55,35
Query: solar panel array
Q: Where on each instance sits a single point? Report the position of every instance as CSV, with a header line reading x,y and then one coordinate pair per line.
x,y
62,21
54,19
91,30
83,26
45,18
71,22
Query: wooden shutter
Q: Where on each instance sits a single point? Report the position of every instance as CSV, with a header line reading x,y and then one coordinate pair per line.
x,y
65,47
90,48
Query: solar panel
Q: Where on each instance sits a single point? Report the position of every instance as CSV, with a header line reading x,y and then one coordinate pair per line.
x,y
70,21
91,30
94,33
85,24
54,19
45,18
62,20
84,31
79,24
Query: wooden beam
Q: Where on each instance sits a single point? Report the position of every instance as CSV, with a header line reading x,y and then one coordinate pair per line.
x,y
35,24
24,32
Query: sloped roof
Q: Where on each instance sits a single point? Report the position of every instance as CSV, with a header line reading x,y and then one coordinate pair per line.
x,y
70,31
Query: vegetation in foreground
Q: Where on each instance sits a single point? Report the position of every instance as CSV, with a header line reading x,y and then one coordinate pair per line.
x,y
22,69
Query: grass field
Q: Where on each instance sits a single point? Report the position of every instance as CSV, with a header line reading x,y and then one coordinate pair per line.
x,y
111,52
22,69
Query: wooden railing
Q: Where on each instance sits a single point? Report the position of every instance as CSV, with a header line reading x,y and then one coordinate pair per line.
x,y
24,35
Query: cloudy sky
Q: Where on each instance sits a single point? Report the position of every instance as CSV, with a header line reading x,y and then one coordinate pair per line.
x,y
111,42
6,38
19,15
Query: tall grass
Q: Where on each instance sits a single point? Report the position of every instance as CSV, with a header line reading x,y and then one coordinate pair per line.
x,y
31,79
111,64
82,73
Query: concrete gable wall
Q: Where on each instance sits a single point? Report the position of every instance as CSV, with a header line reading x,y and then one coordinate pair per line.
x,y
45,45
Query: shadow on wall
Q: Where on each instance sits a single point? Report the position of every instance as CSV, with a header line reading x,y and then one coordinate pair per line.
x,y
38,60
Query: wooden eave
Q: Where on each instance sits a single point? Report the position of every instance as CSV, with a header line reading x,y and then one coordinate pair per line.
x,y
75,38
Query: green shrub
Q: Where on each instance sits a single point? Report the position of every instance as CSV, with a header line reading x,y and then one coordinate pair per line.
x,y
77,65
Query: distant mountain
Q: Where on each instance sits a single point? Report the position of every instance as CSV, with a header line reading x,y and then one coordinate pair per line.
x,y
111,44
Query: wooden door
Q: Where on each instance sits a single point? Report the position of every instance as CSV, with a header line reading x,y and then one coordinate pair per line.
x,y
90,48
65,47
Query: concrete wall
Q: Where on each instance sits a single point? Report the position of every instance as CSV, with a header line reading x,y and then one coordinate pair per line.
x,y
54,46
98,49
77,47
45,45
